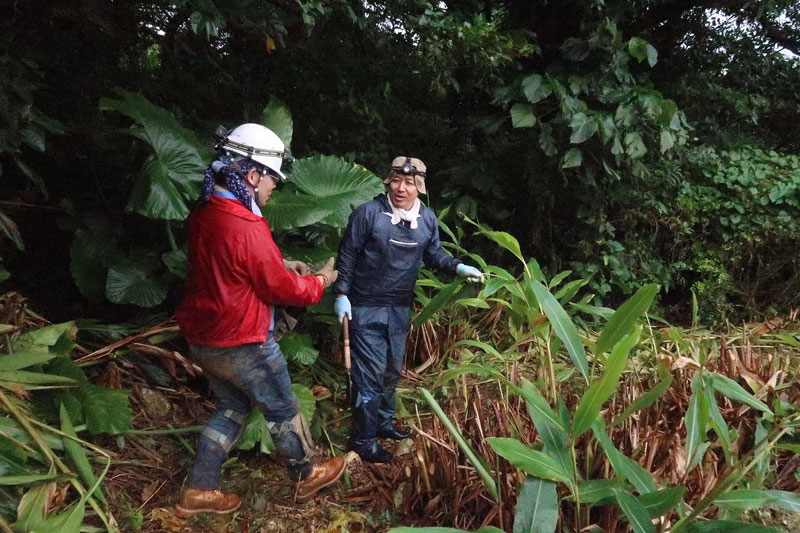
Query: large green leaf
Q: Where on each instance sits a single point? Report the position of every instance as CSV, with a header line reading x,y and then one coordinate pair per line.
x,y
308,402
583,127
625,317
171,177
602,389
328,188
255,432
276,116
130,283
106,410
537,507
46,339
90,256
535,88
563,326
634,511
297,347
533,462
522,116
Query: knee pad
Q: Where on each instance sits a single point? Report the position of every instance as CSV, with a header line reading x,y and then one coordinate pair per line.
x,y
296,427
227,439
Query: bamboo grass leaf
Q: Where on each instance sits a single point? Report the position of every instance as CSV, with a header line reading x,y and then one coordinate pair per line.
x,y
563,327
728,526
634,511
35,378
77,454
596,490
662,501
67,521
693,419
624,467
788,501
20,360
602,389
535,463
476,461
30,511
742,499
726,386
537,507
438,301
647,399
625,317
27,479
717,421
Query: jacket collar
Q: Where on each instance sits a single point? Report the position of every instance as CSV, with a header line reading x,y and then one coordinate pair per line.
x,y
234,207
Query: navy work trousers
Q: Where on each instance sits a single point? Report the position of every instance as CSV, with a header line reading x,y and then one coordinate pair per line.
x,y
378,338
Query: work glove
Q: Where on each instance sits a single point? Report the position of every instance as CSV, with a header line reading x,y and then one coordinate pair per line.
x,y
472,274
328,272
341,306
298,267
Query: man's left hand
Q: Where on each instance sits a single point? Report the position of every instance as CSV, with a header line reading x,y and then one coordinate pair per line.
x,y
298,267
472,274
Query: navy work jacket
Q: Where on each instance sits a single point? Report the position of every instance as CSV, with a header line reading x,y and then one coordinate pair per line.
x,y
378,262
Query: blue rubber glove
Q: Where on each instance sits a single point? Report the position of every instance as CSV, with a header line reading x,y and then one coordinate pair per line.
x,y
472,274
341,306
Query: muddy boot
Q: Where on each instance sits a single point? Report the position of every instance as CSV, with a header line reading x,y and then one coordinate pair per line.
x,y
193,501
321,476
387,430
363,433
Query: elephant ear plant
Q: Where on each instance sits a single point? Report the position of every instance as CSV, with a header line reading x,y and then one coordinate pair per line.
x,y
559,469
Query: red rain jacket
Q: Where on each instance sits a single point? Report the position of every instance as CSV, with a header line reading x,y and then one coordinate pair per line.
x,y
235,274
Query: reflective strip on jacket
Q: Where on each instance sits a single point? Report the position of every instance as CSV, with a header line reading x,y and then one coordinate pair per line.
x,y
378,262
235,274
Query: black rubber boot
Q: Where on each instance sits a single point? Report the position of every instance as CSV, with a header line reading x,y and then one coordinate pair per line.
x,y
387,430
363,433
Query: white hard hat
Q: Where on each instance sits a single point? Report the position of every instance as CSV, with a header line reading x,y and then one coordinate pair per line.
x,y
258,143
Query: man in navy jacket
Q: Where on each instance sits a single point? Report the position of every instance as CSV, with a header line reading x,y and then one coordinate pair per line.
x,y
384,245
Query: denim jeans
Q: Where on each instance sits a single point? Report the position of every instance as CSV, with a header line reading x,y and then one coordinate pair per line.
x,y
378,338
242,377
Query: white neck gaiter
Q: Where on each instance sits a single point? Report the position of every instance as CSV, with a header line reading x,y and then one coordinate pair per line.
x,y
409,215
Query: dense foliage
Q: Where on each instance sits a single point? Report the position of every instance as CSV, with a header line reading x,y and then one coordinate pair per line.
x,y
586,129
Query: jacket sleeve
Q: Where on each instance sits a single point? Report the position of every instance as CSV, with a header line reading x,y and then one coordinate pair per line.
x,y
355,235
273,283
435,256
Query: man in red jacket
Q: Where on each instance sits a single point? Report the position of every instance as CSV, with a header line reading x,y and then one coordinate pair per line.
x,y
235,277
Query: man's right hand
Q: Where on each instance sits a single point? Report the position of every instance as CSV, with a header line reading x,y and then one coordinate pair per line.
x,y
328,272
341,306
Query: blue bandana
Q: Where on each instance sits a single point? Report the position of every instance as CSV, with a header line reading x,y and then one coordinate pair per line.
x,y
234,173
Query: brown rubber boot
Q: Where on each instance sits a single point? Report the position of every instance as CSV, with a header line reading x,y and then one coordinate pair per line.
x,y
193,501
322,475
